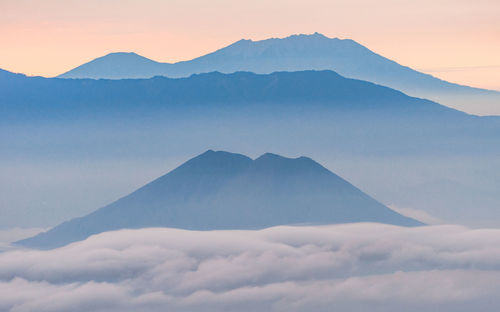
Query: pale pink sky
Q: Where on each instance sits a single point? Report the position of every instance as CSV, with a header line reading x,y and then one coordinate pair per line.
x,y
457,40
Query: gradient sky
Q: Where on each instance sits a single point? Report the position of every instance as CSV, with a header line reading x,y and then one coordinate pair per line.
x,y
458,40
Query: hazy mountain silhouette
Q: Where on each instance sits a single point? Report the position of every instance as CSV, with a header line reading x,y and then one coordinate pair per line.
x,y
117,66
393,120
297,53
321,90
221,190
329,116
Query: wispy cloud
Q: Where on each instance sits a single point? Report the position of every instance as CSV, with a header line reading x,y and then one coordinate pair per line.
x,y
417,214
354,267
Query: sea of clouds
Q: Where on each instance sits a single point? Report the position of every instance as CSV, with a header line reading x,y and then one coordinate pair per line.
x,y
350,267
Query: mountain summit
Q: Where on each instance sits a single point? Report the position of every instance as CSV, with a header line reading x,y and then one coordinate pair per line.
x,y
116,66
221,190
295,53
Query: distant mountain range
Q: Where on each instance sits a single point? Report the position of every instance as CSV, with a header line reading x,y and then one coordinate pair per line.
x,y
221,190
332,118
394,121
297,53
322,90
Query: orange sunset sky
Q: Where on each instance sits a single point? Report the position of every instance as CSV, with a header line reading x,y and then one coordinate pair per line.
x,y
456,40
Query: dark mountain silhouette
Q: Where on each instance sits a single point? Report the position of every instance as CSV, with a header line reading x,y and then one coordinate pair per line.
x,y
221,190
297,53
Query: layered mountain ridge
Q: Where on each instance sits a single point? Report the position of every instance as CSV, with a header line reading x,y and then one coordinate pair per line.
x,y
297,53
321,112
211,91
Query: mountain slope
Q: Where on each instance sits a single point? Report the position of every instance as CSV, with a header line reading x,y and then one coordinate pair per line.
x,y
297,53
7,76
220,190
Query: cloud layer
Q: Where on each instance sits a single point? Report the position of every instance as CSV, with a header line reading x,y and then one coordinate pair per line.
x,y
354,267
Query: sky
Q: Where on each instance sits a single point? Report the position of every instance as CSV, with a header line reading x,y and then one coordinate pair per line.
x,y
457,40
